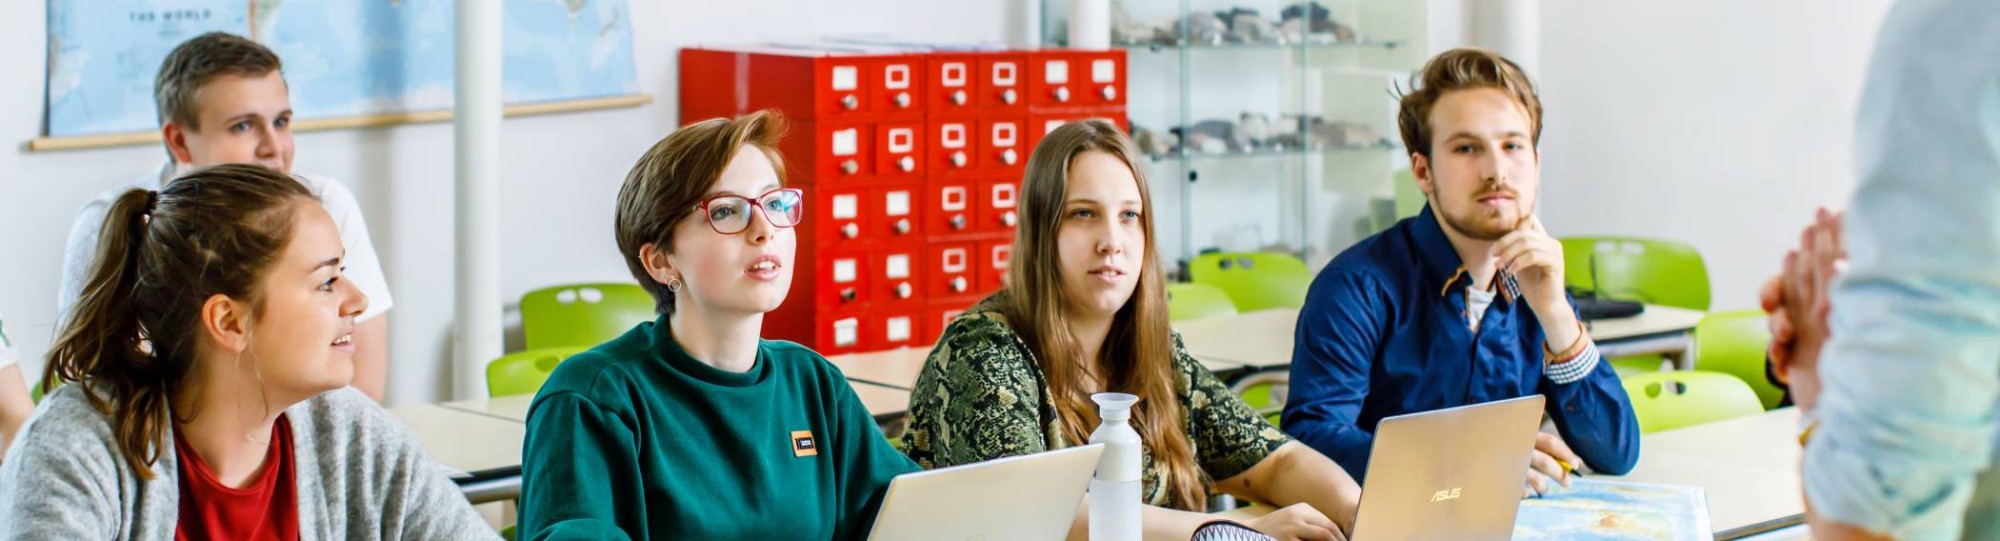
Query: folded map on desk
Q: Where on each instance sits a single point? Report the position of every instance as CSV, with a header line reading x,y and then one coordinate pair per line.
x,y
1591,510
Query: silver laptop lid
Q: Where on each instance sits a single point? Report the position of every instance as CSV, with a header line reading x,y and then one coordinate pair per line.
x,y
1453,474
1028,497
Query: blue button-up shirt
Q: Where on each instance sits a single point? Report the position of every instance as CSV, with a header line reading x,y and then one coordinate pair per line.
x,y
1912,376
1384,333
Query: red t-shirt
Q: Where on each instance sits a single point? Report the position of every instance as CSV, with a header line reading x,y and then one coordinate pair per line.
x,y
265,509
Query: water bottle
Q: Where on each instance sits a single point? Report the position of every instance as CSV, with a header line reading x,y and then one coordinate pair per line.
x,y
7,354
1114,490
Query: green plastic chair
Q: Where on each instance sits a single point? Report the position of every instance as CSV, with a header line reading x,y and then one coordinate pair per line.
x,y
523,372
1651,271
1628,367
1670,400
1265,392
1734,343
1195,301
1254,280
582,315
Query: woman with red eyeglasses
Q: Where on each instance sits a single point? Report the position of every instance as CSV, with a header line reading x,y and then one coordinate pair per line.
x,y
691,427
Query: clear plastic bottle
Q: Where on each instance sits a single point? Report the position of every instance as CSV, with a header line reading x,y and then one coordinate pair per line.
x,y
1114,490
7,354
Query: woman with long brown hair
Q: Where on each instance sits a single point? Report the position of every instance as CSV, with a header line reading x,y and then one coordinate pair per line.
x,y
1085,311
207,366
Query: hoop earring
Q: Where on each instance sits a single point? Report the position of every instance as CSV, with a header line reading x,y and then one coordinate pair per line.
x,y
674,284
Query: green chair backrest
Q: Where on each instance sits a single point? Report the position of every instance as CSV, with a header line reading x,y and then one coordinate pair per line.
x,y
1734,343
523,372
1675,399
1196,301
1254,280
1652,271
1410,199
582,315
1265,393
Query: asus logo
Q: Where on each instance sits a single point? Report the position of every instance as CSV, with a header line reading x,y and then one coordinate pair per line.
x,y
1445,495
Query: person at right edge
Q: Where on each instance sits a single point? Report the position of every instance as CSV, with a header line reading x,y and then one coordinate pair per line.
x,y
1895,360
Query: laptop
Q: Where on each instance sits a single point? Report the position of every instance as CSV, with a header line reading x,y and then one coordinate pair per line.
x,y
1453,474
1028,497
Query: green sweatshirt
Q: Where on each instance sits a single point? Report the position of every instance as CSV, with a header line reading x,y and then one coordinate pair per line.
x,y
635,439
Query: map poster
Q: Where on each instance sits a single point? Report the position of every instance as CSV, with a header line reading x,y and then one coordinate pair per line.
x,y
1592,510
342,58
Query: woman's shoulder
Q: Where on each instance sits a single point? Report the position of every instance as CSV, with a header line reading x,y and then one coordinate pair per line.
x,y
983,340
65,424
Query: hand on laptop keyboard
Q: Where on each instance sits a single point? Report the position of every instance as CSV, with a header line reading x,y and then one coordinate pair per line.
x,y
1299,522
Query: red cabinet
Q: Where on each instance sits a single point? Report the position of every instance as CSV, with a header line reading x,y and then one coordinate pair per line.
x,y
1099,78
998,206
898,213
994,256
899,150
951,268
896,276
1003,83
949,207
1000,144
911,163
953,85
950,145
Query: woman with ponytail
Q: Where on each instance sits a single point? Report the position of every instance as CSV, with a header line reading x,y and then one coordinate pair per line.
x,y
204,387
1085,311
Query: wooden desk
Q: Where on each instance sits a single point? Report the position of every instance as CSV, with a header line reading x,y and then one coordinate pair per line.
x,y
1262,340
480,440
893,368
1749,467
884,402
509,408
1255,340
482,452
1659,330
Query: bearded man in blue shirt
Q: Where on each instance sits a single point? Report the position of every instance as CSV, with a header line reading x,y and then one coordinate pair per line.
x,y
1463,303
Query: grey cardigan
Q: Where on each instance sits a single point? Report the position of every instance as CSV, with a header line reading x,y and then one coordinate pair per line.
x,y
361,475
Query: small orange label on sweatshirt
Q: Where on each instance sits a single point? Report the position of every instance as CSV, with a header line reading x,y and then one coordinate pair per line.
x,y
803,444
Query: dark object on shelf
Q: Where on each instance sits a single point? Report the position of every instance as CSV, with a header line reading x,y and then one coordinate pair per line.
x,y
1315,132
1318,12
1592,308
1201,27
1154,143
1313,22
1210,136
1252,28
1254,132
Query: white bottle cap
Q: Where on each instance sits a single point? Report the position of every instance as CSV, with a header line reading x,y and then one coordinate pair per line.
x,y
1114,406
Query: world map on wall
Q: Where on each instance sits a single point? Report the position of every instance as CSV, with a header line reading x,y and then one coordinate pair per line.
x,y
341,57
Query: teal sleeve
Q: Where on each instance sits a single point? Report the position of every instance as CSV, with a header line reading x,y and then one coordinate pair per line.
x,y
579,473
867,463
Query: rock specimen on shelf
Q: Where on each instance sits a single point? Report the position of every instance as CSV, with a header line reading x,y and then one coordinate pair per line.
x,y
1202,28
1253,130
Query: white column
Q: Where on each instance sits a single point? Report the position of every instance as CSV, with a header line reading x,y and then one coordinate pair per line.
x,y
1024,24
476,159
1512,27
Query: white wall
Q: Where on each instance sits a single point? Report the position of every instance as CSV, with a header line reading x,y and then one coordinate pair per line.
x,y
1718,122
1721,123
561,172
